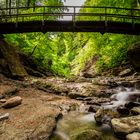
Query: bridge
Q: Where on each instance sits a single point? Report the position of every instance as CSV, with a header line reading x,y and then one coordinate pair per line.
x,y
69,19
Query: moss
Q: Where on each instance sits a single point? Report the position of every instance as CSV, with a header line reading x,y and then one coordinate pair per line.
x,y
85,133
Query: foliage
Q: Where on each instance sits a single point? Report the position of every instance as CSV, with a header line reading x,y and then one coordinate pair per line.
x,y
68,53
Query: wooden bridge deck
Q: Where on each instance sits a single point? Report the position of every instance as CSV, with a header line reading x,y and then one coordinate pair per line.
x,y
69,19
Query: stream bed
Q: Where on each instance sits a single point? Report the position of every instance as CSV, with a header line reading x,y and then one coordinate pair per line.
x,y
76,125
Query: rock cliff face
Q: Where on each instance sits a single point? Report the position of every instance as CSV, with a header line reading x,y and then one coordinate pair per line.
x,y
134,56
10,62
15,64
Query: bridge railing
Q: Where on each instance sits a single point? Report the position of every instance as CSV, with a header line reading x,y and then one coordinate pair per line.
x,y
70,13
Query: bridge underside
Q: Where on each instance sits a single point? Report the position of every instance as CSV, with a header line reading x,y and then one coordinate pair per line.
x,y
70,26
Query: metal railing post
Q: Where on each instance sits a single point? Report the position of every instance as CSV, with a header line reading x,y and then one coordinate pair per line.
x,y
43,16
17,16
74,13
132,18
105,17
17,12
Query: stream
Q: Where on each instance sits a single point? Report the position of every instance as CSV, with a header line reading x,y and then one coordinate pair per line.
x,y
76,122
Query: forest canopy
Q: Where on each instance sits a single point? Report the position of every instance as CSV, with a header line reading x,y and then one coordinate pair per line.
x,y
66,54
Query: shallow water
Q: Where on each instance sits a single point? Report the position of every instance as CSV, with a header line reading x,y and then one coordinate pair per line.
x,y
122,97
74,121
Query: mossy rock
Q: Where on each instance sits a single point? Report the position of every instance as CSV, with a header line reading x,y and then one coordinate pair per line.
x,y
104,115
85,134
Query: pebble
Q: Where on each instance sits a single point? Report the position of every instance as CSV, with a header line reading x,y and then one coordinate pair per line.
x,y
2,100
12,102
3,117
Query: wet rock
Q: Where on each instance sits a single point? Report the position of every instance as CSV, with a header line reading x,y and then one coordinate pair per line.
x,y
133,136
85,134
126,72
123,110
137,84
134,97
105,115
93,108
126,83
126,125
135,111
106,128
12,102
130,105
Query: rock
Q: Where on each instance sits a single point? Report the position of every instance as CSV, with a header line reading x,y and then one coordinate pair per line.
x,y
123,110
83,108
137,84
105,115
133,136
135,97
130,105
7,91
98,101
93,108
106,128
126,125
88,75
75,95
12,102
85,134
135,111
15,67
88,99
87,89
134,56
34,121
80,98
3,117
126,72
126,83
2,100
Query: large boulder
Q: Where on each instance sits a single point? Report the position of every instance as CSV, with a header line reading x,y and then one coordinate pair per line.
x,y
133,136
33,120
105,115
86,134
126,125
134,56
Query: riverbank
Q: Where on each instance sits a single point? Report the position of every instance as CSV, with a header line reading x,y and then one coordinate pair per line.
x,y
44,100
